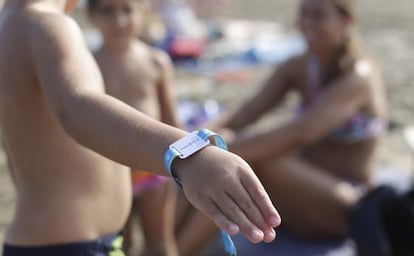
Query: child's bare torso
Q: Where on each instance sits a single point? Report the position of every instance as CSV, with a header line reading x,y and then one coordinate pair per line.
x,y
65,191
133,77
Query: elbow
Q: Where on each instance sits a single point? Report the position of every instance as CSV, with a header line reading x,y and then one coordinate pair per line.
x,y
66,119
67,114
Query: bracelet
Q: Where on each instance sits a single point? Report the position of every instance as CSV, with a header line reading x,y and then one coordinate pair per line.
x,y
184,148
189,145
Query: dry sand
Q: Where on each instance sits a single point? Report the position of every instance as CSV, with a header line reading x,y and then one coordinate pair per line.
x,y
385,28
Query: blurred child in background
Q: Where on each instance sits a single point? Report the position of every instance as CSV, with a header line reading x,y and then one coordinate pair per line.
x,y
140,76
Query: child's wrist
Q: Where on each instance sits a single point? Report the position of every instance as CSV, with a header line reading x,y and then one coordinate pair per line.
x,y
181,167
186,147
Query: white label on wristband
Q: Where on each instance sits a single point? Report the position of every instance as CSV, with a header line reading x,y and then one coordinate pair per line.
x,y
189,145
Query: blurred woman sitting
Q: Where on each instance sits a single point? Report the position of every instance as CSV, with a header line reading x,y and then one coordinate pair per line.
x,y
318,165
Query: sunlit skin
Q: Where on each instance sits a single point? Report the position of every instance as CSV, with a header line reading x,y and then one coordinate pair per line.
x,y
147,88
140,76
55,117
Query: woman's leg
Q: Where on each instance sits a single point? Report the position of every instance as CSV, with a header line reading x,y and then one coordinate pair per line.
x,y
312,202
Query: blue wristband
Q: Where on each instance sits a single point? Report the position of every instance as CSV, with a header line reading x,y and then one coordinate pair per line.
x,y
186,147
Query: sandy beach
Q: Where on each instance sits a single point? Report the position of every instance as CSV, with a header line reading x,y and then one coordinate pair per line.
x,y
386,31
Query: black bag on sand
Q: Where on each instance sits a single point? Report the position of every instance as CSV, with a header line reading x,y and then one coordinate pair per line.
x,y
398,220
382,223
366,226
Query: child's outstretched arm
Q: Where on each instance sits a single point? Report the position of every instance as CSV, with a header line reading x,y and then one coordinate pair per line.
x,y
219,183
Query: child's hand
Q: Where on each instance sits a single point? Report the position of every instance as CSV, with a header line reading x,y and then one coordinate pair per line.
x,y
224,187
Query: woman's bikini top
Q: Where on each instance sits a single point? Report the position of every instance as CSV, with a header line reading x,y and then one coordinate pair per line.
x,y
360,126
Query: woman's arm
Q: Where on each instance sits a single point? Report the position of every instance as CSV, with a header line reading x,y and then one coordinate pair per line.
x,y
271,94
344,98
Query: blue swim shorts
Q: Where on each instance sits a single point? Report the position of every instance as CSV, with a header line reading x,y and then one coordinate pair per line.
x,y
106,246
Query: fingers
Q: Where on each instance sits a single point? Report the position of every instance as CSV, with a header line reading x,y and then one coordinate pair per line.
x,y
214,212
228,191
233,212
262,200
231,218
253,214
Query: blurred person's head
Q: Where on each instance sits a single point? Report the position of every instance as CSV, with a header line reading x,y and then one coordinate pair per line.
x,y
325,24
328,27
118,20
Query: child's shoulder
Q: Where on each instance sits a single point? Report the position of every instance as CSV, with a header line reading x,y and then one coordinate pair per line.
x,y
156,53
49,25
158,56
40,19
49,19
